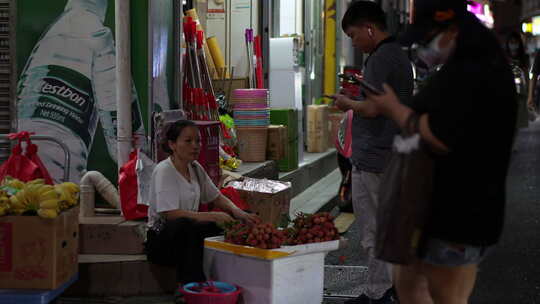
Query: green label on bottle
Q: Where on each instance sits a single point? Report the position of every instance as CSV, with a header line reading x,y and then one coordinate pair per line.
x,y
58,95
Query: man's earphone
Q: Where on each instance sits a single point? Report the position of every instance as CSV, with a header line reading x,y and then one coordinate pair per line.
x,y
370,32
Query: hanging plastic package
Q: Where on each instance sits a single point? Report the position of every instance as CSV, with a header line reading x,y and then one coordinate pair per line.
x,y
128,186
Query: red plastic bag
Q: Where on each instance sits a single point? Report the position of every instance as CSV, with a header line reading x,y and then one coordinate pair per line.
x,y
128,186
344,137
31,153
234,196
18,165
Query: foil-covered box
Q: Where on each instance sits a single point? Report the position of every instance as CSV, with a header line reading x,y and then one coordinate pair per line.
x,y
270,199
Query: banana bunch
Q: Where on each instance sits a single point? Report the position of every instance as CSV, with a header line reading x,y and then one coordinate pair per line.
x,y
4,203
68,194
31,197
58,198
36,197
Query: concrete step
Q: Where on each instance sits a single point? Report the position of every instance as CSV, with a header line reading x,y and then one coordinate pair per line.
x,y
120,276
110,235
320,195
312,169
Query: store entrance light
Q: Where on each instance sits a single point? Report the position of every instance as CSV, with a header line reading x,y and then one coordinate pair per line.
x,y
527,27
536,26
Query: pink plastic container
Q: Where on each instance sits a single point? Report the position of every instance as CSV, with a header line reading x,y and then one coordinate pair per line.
x,y
250,93
211,293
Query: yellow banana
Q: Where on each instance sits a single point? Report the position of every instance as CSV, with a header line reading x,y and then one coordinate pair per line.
x,y
19,197
63,205
63,194
48,195
71,187
15,183
37,181
47,213
50,204
45,188
4,200
32,195
14,202
4,205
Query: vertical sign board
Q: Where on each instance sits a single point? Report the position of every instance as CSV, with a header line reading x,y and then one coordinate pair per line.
x,y
66,65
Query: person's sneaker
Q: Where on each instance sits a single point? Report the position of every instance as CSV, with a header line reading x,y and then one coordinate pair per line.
x,y
389,297
362,299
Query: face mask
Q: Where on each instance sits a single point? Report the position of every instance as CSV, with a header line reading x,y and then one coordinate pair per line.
x,y
433,54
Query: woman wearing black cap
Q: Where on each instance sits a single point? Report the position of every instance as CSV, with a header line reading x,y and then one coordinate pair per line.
x,y
466,117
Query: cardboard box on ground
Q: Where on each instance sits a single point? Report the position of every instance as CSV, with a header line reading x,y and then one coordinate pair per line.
x,y
317,123
277,141
38,253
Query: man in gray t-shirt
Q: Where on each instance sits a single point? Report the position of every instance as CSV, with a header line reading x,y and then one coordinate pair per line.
x,y
365,23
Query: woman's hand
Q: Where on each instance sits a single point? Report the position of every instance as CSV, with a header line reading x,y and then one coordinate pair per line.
x,y
216,217
246,217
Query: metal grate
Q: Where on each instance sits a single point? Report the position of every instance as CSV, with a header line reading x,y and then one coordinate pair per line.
x,y
6,74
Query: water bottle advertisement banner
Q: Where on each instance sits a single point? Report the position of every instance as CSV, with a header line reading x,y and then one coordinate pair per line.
x,y
67,81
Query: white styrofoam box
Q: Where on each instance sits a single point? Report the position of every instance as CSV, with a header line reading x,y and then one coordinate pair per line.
x,y
284,54
285,89
297,277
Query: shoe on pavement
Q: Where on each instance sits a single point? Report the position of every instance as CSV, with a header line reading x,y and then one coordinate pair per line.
x,y
362,299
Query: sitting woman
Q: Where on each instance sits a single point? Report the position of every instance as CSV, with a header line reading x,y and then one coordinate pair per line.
x,y
179,186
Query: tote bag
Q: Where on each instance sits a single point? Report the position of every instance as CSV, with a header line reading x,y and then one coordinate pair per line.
x,y
404,204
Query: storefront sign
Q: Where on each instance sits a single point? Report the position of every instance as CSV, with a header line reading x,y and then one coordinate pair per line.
x,y
482,12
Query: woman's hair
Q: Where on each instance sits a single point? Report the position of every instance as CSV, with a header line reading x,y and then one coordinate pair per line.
x,y
520,56
171,131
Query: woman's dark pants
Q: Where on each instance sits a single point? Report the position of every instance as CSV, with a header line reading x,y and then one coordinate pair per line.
x,y
180,243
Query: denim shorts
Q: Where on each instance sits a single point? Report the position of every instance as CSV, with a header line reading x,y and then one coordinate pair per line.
x,y
439,252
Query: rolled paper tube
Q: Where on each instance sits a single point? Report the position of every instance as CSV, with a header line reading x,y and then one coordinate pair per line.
x,y
217,55
193,14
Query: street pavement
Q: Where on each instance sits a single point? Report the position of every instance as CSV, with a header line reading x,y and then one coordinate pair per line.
x,y
509,275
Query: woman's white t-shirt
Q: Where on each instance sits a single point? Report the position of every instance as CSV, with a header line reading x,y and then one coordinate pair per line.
x,y
170,190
